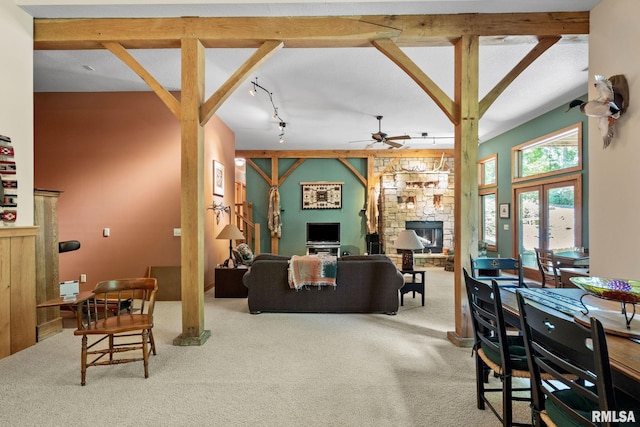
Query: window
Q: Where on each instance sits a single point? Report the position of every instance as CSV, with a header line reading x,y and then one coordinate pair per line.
x,y
487,183
488,171
489,220
559,152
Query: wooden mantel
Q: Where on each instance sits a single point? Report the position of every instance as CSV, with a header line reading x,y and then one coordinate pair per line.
x,y
388,34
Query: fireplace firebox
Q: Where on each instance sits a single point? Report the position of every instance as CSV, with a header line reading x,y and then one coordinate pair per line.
x,y
430,234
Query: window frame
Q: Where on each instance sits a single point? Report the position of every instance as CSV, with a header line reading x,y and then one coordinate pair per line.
x,y
493,158
482,216
516,165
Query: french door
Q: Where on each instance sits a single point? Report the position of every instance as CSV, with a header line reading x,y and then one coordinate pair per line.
x,y
548,216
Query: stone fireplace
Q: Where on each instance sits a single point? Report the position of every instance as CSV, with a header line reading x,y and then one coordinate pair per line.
x,y
416,193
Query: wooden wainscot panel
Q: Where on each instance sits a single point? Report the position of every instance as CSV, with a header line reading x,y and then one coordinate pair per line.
x,y
17,286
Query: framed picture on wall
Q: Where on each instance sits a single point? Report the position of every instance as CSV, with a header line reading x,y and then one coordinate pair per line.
x,y
218,179
504,210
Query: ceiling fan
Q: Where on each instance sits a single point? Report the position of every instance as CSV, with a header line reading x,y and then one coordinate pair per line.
x,y
384,138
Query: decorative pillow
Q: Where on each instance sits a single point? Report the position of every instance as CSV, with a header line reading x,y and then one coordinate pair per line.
x,y
245,253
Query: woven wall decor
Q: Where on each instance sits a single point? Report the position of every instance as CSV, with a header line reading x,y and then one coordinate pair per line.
x,y
8,183
321,195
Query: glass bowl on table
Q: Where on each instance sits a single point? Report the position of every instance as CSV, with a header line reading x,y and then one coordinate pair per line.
x,y
623,291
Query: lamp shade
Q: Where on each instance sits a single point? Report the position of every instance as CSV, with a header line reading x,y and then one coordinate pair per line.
x,y
408,240
230,231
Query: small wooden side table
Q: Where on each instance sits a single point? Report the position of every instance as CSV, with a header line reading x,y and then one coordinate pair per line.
x,y
413,286
228,283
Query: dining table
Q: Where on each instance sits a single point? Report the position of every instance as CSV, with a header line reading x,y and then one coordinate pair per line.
x,y
572,258
623,346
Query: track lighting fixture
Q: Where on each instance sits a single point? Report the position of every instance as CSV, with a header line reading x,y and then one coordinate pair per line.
x,y
275,116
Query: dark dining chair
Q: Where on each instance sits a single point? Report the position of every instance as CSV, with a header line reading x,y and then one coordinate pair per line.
x,y
570,372
495,350
548,267
487,269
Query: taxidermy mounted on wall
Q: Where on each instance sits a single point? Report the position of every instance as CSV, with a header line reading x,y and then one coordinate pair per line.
x,y
609,106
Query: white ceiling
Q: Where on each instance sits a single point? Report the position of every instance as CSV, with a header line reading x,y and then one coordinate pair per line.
x,y
328,97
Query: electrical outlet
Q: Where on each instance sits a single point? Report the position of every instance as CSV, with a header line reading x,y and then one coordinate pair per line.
x,y
83,278
106,232
177,232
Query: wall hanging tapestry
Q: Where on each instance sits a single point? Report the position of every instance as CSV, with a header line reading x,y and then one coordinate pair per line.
x,y
321,195
8,183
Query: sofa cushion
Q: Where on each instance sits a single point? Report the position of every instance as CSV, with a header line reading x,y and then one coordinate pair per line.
x,y
364,257
267,256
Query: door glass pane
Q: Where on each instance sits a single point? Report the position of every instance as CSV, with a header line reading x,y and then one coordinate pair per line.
x,y
489,219
529,226
561,217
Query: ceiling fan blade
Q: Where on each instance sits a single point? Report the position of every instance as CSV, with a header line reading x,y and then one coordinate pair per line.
x,y
393,144
399,137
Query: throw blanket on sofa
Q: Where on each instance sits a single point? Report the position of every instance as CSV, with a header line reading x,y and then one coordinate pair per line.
x,y
312,270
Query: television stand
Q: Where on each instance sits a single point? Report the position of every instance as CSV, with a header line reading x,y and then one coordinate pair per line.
x,y
329,248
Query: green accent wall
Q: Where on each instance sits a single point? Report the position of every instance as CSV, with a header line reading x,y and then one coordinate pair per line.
x,y
547,123
294,218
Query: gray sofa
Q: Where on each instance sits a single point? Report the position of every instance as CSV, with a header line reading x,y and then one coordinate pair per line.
x,y
365,284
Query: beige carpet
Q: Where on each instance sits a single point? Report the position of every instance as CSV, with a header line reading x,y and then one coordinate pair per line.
x,y
268,370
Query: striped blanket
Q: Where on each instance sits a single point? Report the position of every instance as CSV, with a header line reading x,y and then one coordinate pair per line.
x,y
312,270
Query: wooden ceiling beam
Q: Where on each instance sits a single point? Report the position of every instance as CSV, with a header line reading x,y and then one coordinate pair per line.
x,y
355,171
169,100
406,64
343,154
424,30
246,32
299,32
266,51
543,45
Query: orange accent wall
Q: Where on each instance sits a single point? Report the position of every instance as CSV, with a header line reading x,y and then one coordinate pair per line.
x,y
116,158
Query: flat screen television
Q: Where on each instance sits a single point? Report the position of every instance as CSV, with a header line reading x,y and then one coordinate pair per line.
x,y
323,232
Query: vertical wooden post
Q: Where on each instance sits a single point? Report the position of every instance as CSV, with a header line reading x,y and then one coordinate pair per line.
x,y
192,196
466,178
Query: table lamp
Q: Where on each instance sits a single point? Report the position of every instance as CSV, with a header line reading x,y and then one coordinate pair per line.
x,y
232,233
407,242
